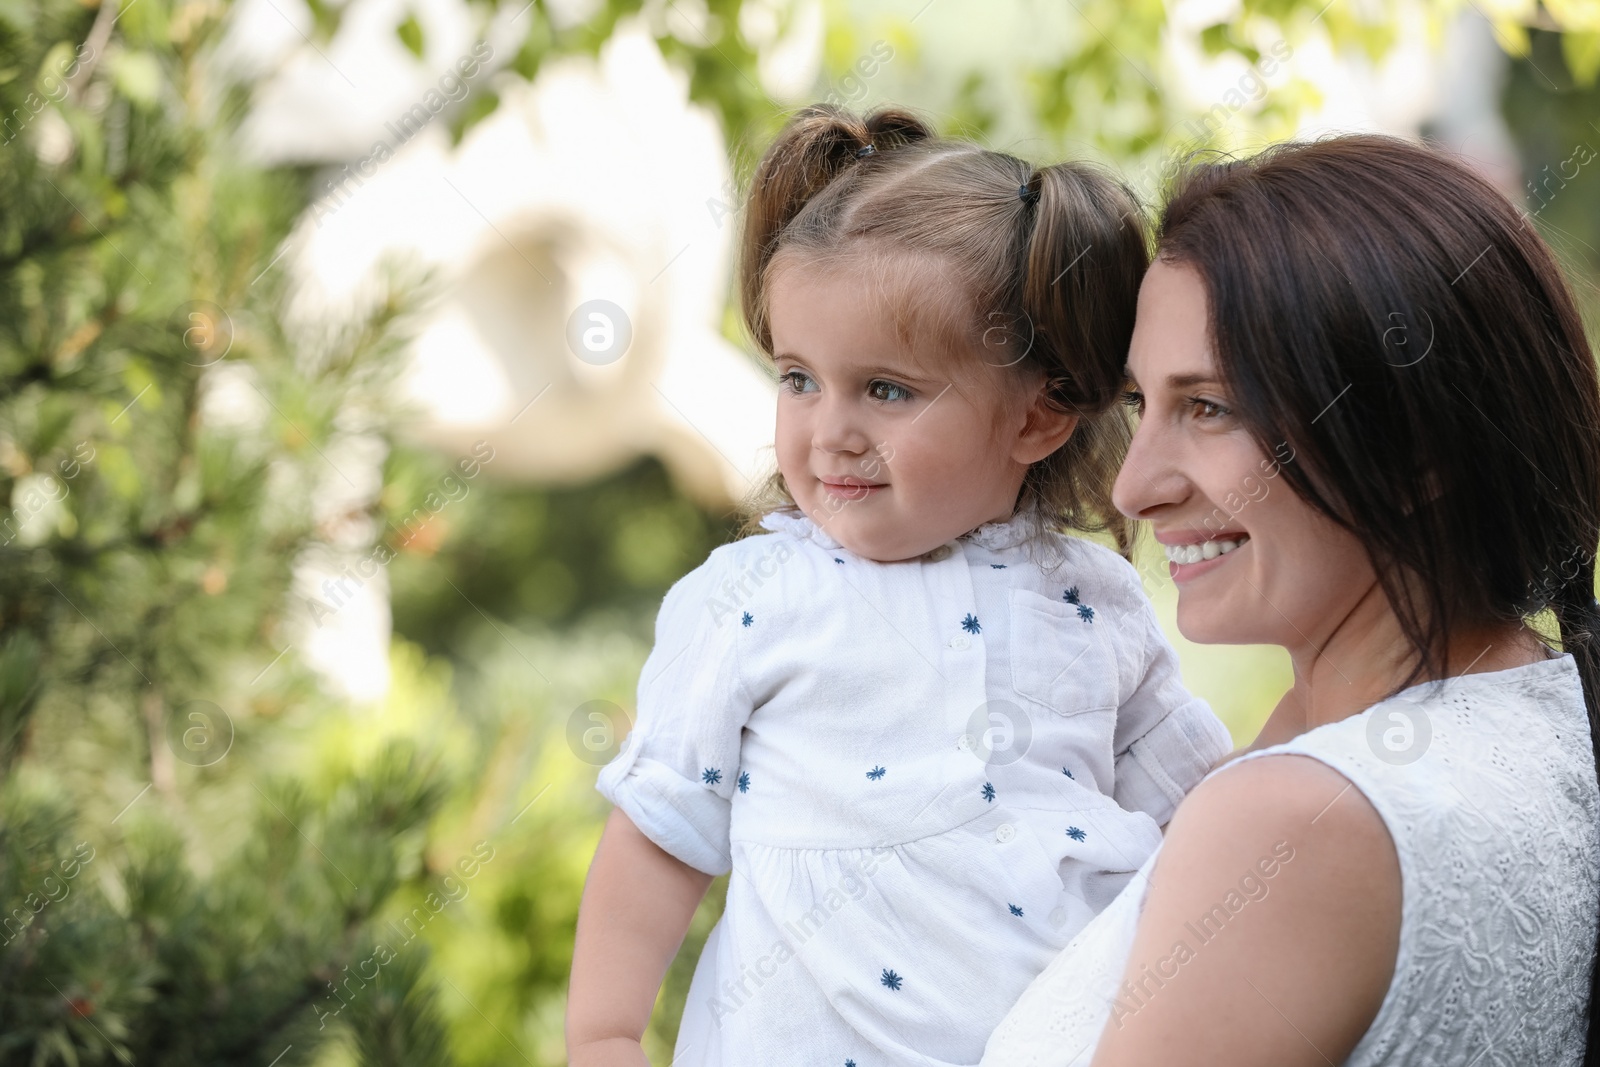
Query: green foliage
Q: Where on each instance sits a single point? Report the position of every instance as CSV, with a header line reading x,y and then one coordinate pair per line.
x,y
410,34
145,556
543,555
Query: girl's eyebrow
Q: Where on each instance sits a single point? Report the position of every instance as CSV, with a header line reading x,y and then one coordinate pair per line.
x,y
874,371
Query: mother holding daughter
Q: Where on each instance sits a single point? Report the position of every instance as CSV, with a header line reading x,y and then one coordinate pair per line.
x,y
1368,431
1402,869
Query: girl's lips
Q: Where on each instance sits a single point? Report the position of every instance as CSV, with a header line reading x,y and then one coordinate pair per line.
x,y
851,492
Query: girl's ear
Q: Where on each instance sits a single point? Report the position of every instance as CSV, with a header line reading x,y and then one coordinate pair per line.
x,y
1044,430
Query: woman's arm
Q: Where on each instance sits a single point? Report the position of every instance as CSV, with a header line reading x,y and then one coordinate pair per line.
x,y
637,904
1270,929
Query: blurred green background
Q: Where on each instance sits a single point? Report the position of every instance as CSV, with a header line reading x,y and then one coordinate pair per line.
x,y
210,852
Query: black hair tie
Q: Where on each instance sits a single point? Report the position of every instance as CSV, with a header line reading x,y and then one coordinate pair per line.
x,y
1028,196
865,151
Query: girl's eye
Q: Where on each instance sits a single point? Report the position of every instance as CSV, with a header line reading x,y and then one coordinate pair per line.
x,y
1134,399
879,388
794,381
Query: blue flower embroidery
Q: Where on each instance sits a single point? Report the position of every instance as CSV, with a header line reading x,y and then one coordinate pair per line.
x,y
1076,834
970,624
988,791
1014,909
836,559
876,773
1071,595
1086,613
890,979
744,782
711,776
1068,773
998,566
748,619
849,1063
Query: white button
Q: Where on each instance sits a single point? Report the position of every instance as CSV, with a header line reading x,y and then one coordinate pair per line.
x,y
1005,832
964,742
1058,918
938,555
959,642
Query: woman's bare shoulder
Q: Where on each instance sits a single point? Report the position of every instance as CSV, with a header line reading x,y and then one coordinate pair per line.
x,y
1270,927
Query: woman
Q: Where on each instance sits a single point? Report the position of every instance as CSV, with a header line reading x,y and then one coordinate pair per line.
x,y
1353,360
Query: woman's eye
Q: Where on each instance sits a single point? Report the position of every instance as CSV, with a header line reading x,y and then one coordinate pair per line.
x,y
1206,409
881,390
794,381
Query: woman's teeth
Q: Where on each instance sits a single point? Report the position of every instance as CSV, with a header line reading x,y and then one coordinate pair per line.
x,y
1202,550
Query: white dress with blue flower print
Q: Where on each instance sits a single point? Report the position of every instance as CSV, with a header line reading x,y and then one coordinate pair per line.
x,y
925,777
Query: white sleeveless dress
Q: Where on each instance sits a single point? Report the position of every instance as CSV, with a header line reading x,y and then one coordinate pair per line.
x,y
1486,783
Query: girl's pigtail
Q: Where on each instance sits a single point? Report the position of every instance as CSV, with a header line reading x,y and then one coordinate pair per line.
x,y
817,145
1086,255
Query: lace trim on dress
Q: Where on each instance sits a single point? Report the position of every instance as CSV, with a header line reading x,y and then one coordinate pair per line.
x,y
1001,534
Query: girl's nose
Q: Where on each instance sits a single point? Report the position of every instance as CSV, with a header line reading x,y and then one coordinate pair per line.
x,y
839,427
1149,479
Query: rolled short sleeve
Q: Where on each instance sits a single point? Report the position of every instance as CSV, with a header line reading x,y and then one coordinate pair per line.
x,y
677,769
1167,739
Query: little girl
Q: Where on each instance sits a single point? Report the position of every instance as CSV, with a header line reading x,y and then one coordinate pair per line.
x,y
930,735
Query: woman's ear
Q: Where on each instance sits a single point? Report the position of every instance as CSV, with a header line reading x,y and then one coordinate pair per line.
x,y
1044,429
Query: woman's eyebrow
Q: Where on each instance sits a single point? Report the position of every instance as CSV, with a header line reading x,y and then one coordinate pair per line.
x,y
1177,381
1189,381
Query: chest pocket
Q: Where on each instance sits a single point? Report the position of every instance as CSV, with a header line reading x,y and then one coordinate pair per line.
x,y
1060,655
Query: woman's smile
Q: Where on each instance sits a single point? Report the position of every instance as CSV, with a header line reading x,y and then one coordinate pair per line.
x,y
1188,560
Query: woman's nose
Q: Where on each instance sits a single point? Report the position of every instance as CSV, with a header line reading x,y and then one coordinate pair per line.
x,y
1149,478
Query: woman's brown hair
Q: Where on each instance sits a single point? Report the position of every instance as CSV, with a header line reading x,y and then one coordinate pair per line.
x,y
1048,259
1391,316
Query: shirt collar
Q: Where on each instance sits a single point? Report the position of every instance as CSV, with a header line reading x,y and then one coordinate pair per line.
x,y
1002,534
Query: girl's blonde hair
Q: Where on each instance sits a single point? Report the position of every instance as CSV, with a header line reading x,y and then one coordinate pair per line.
x,y
1048,259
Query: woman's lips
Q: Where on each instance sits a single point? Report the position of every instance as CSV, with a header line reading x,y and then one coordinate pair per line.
x,y
852,491
1184,572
